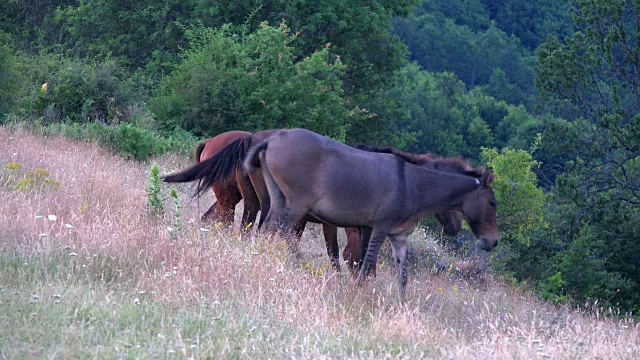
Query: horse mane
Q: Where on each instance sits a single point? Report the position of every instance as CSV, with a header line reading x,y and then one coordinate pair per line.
x,y
454,164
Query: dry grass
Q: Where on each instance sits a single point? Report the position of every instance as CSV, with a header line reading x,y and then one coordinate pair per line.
x,y
103,279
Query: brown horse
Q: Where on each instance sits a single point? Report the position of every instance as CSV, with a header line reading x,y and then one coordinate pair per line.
x,y
311,175
227,192
221,169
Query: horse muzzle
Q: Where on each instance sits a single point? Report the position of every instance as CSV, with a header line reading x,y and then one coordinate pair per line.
x,y
487,244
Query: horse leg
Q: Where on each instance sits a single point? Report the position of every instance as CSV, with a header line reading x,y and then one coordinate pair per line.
x,y
331,240
210,214
399,248
251,202
371,256
227,199
260,188
365,235
351,252
296,232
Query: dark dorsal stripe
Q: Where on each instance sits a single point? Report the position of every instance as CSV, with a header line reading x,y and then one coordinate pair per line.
x,y
455,165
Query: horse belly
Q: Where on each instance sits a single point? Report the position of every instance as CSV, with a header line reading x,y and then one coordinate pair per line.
x,y
345,209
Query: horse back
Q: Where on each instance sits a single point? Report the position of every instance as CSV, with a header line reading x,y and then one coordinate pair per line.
x,y
340,183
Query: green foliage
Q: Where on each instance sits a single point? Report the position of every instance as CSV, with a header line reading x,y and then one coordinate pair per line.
x,y
583,266
78,90
445,119
444,36
552,287
14,178
253,82
177,226
137,143
531,20
521,201
155,205
131,31
593,74
436,111
517,129
358,31
128,140
9,73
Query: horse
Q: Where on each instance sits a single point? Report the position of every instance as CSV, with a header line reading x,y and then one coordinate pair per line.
x,y
223,172
308,174
227,192
224,166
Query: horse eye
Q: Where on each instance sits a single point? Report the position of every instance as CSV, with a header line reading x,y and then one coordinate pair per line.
x,y
493,203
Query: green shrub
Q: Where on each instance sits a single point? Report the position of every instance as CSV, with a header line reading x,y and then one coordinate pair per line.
x,y
10,77
64,88
137,143
253,82
128,140
155,204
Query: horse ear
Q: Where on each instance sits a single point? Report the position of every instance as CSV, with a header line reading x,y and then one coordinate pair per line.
x,y
488,176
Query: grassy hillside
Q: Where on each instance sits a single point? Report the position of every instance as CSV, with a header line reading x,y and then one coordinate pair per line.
x,y
85,272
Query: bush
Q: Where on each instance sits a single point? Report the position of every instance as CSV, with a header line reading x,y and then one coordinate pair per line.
x,y
11,79
252,82
128,140
64,88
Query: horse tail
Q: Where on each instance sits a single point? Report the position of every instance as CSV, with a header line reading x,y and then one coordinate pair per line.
x,y
199,150
252,161
256,159
215,169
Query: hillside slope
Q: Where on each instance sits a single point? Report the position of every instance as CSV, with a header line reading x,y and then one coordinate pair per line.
x,y
85,272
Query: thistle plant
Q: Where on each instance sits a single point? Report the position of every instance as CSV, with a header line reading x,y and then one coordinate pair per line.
x,y
155,206
177,216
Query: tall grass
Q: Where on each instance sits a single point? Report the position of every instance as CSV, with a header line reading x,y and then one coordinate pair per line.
x,y
86,272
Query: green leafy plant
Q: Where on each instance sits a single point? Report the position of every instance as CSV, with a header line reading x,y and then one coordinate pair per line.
x,y
254,81
155,205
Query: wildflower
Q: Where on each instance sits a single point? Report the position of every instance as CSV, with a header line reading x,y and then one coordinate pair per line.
x,y
136,301
204,230
44,87
169,229
37,217
42,235
73,254
52,217
13,166
68,226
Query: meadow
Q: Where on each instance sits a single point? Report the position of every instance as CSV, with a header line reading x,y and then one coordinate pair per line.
x,y
86,272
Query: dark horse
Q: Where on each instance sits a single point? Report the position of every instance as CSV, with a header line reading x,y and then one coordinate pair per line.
x,y
222,170
311,175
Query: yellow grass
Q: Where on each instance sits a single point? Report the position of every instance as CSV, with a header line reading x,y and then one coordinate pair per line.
x,y
100,278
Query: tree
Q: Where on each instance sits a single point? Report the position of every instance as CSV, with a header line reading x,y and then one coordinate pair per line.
x,y
595,73
254,82
531,20
458,36
8,73
521,201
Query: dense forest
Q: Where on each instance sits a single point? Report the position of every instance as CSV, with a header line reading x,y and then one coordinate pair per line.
x,y
544,91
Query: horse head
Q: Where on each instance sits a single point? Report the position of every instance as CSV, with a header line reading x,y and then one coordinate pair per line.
x,y
479,210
